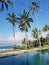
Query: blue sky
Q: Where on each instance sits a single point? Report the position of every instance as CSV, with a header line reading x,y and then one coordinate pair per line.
x,y
19,6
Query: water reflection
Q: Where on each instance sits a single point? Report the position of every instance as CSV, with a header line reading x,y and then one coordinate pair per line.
x,y
27,59
30,58
38,59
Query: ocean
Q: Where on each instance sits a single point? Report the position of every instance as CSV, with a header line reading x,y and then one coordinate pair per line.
x,y
5,48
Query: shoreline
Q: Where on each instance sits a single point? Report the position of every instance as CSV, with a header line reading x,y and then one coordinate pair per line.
x,y
17,52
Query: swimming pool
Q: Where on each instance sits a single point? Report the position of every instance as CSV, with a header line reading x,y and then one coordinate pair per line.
x,y
29,58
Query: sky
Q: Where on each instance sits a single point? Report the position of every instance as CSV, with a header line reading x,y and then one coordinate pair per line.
x,y
19,5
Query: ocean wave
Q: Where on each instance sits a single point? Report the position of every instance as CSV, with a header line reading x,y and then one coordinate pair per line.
x,y
1,50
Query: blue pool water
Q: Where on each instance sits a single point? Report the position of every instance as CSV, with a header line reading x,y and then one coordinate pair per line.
x,y
30,58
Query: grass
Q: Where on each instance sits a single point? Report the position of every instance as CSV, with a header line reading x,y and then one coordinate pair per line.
x,y
46,46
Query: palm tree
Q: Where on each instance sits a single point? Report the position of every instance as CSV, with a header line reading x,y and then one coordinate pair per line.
x,y
25,29
36,34
25,23
5,2
12,19
47,37
46,28
43,41
35,9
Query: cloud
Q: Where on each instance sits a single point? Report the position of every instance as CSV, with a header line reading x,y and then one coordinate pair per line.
x,y
44,34
19,36
4,41
0,38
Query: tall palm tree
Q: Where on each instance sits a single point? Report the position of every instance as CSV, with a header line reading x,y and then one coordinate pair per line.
x,y
34,8
25,29
46,29
25,23
36,34
12,19
5,2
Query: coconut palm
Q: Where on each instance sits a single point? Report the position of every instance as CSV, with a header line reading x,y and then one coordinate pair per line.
x,y
46,28
12,19
25,23
5,2
34,8
25,29
36,34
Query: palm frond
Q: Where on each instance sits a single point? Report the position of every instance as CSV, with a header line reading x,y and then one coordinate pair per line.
x,y
28,23
38,2
35,7
6,5
46,27
9,15
2,6
11,3
30,19
5,2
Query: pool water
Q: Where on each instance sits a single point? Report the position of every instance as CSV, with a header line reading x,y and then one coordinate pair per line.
x,y
29,58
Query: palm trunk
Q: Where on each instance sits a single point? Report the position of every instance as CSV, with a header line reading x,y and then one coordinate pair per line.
x,y
26,39
38,29
48,37
39,42
14,37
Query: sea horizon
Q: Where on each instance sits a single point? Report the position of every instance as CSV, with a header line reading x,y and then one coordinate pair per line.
x,y
5,48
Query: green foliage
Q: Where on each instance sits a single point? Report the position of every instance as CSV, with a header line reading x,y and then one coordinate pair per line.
x,y
12,18
34,7
27,42
25,21
24,24
47,38
5,3
43,41
24,28
35,43
36,33
21,47
46,28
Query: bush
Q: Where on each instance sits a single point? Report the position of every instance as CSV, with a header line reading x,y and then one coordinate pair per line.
x,y
43,40
35,43
20,47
